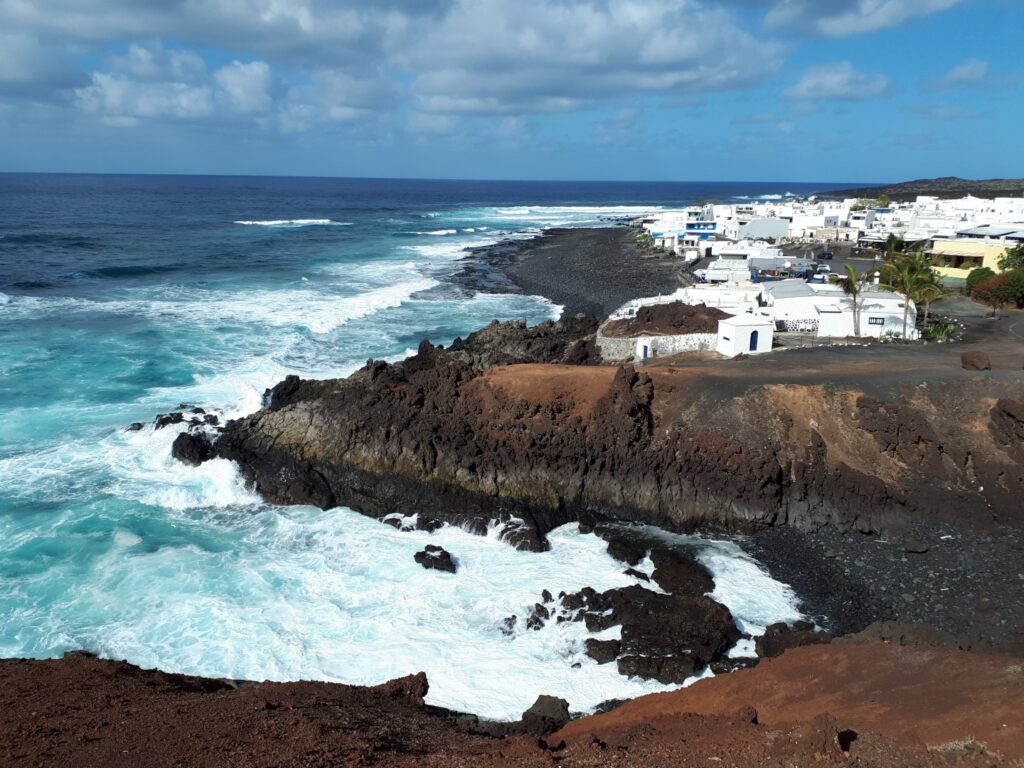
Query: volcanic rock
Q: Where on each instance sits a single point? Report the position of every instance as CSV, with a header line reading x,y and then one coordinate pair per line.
x,y
779,637
662,636
192,448
498,428
167,419
678,572
547,715
669,670
602,651
436,558
975,361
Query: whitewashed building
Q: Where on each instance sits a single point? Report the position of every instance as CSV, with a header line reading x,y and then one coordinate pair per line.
x,y
823,309
747,334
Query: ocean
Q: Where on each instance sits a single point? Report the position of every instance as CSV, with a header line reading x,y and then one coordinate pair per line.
x,y
122,297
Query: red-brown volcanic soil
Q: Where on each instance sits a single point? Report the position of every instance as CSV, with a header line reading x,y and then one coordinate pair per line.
x,y
911,694
840,705
668,319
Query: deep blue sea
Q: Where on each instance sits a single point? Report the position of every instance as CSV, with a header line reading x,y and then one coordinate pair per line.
x,y
123,296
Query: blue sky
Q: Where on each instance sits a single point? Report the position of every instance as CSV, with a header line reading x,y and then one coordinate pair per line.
x,y
802,90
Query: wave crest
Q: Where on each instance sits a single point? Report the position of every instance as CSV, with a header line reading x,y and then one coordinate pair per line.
x,y
292,223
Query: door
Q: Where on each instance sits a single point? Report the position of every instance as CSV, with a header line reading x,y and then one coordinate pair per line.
x,y
753,341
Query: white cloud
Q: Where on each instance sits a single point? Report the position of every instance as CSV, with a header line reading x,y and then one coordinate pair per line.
x,y
118,99
837,82
246,86
967,73
491,56
842,18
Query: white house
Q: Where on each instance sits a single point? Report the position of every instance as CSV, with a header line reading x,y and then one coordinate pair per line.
x,y
745,334
825,310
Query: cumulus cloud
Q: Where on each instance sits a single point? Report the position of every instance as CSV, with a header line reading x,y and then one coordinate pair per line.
x,y
837,82
842,18
967,73
122,101
245,86
493,57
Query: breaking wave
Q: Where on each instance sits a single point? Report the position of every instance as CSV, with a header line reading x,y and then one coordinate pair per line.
x,y
295,223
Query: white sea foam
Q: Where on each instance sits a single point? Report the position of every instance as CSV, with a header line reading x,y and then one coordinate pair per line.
x,y
316,308
440,232
292,223
287,594
186,569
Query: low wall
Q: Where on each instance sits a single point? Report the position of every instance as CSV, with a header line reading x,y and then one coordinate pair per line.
x,y
615,349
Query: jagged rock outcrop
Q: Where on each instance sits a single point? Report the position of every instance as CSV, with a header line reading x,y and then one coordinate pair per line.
x,y
436,558
482,432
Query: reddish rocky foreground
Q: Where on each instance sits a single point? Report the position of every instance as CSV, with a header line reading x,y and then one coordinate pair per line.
x,y
843,704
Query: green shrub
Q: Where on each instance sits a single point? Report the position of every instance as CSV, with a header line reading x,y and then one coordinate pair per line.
x,y
941,331
976,276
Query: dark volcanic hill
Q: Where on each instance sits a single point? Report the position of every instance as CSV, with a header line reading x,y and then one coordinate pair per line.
x,y
946,187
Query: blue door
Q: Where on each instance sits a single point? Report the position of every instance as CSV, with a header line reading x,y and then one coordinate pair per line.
x,y
753,341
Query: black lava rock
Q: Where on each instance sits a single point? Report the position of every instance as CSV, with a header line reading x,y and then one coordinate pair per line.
x,y
669,670
602,651
547,715
167,419
436,558
779,637
192,448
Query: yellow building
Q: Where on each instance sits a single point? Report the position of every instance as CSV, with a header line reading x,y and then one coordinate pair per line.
x,y
955,258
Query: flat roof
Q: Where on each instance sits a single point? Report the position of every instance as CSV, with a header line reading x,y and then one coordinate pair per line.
x,y
789,289
988,230
747,319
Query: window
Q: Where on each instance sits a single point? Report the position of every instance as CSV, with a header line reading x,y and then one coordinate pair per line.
x,y
876,321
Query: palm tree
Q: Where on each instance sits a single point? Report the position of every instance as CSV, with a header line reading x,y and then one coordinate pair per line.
x,y
908,275
928,293
852,285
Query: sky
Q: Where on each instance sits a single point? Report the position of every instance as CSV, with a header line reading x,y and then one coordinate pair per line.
x,y
677,90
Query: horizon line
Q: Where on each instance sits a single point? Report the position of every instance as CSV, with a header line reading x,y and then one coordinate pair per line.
x,y
445,179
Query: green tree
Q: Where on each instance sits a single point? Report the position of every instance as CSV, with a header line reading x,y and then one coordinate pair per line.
x,y
976,276
1012,258
852,285
928,293
908,275
894,244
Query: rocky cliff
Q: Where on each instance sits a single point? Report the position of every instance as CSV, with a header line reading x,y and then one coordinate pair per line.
x,y
509,426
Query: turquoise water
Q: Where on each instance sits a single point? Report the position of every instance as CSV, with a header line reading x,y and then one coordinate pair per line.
x,y
122,297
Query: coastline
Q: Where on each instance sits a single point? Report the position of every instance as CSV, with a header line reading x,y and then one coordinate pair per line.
x,y
584,270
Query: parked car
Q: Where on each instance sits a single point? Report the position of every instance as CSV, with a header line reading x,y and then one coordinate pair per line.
x,y
824,256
